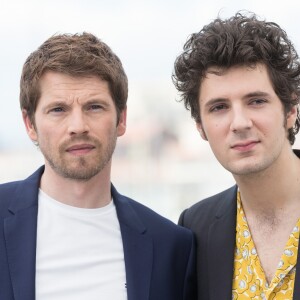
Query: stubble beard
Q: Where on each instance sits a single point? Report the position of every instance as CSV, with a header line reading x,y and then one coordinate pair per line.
x,y
258,168
80,168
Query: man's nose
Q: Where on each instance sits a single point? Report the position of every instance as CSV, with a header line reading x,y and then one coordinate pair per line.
x,y
77,123
241,119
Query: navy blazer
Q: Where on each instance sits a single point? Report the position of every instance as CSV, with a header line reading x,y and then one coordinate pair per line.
x,y
213,221
159,255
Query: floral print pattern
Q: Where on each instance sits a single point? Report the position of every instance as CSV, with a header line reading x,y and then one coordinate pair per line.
x,y
249,280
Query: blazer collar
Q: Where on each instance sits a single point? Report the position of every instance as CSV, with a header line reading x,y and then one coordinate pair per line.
x,y
227,200
20,237
26,194
221,244
138,248
126,214
296,295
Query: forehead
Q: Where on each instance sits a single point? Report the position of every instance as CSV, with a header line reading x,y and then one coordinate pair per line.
x,y
235,81
63,84
60,81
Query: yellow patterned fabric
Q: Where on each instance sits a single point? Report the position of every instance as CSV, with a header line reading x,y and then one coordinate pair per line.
x,y
249,280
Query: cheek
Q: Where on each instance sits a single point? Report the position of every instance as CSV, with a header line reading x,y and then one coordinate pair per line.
x,y
45,141
50,136
272,125
104,130
215,132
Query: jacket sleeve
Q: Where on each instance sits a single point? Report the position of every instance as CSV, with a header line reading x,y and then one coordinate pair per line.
x,y
190,289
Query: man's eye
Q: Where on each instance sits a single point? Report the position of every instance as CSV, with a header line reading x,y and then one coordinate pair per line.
x,y
257,101
218,107
57,109
95,107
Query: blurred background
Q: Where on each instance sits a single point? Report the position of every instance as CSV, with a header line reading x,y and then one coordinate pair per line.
x,y
161,161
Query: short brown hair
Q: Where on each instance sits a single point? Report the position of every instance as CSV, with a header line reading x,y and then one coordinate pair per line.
x,y
239,40
75,55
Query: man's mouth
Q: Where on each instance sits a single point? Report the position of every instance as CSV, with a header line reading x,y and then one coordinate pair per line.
x,y
80,149
245,146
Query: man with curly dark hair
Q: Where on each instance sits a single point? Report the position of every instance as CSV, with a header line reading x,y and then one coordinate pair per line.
x,y
240,77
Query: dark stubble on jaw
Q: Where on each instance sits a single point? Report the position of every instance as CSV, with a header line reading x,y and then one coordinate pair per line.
x,y
85,168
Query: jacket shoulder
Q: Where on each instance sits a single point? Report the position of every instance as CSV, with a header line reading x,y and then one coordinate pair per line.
x,y
206,210
20,194
156,222
7,189
7,192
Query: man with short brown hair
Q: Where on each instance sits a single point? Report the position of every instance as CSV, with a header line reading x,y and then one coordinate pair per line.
x,y
65,231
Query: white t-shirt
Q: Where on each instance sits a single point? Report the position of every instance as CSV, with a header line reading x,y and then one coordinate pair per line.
x,y
79,253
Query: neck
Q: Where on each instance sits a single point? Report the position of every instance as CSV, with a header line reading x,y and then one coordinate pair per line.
x,y
92,193
274,189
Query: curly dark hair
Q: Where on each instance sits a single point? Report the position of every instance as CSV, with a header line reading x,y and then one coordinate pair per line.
x,y
76,55
240,40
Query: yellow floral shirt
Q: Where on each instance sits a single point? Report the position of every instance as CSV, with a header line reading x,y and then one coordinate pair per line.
x,y
249,280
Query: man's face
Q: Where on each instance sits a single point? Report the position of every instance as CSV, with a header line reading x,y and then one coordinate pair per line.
x,y
243,120
75,125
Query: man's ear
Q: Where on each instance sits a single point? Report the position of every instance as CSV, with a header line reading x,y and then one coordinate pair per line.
x,y
121,127
30,127
291,117
201,130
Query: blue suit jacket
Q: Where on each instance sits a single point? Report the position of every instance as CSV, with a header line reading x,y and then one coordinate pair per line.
x,y
159,255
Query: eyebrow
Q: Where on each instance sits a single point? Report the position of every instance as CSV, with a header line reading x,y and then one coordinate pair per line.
x,y
214,101
96,101
256,94
247,96
54,104
66,104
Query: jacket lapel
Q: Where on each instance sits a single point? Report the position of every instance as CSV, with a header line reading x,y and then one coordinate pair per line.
x,y
20,237
138,249
296,295
221,245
